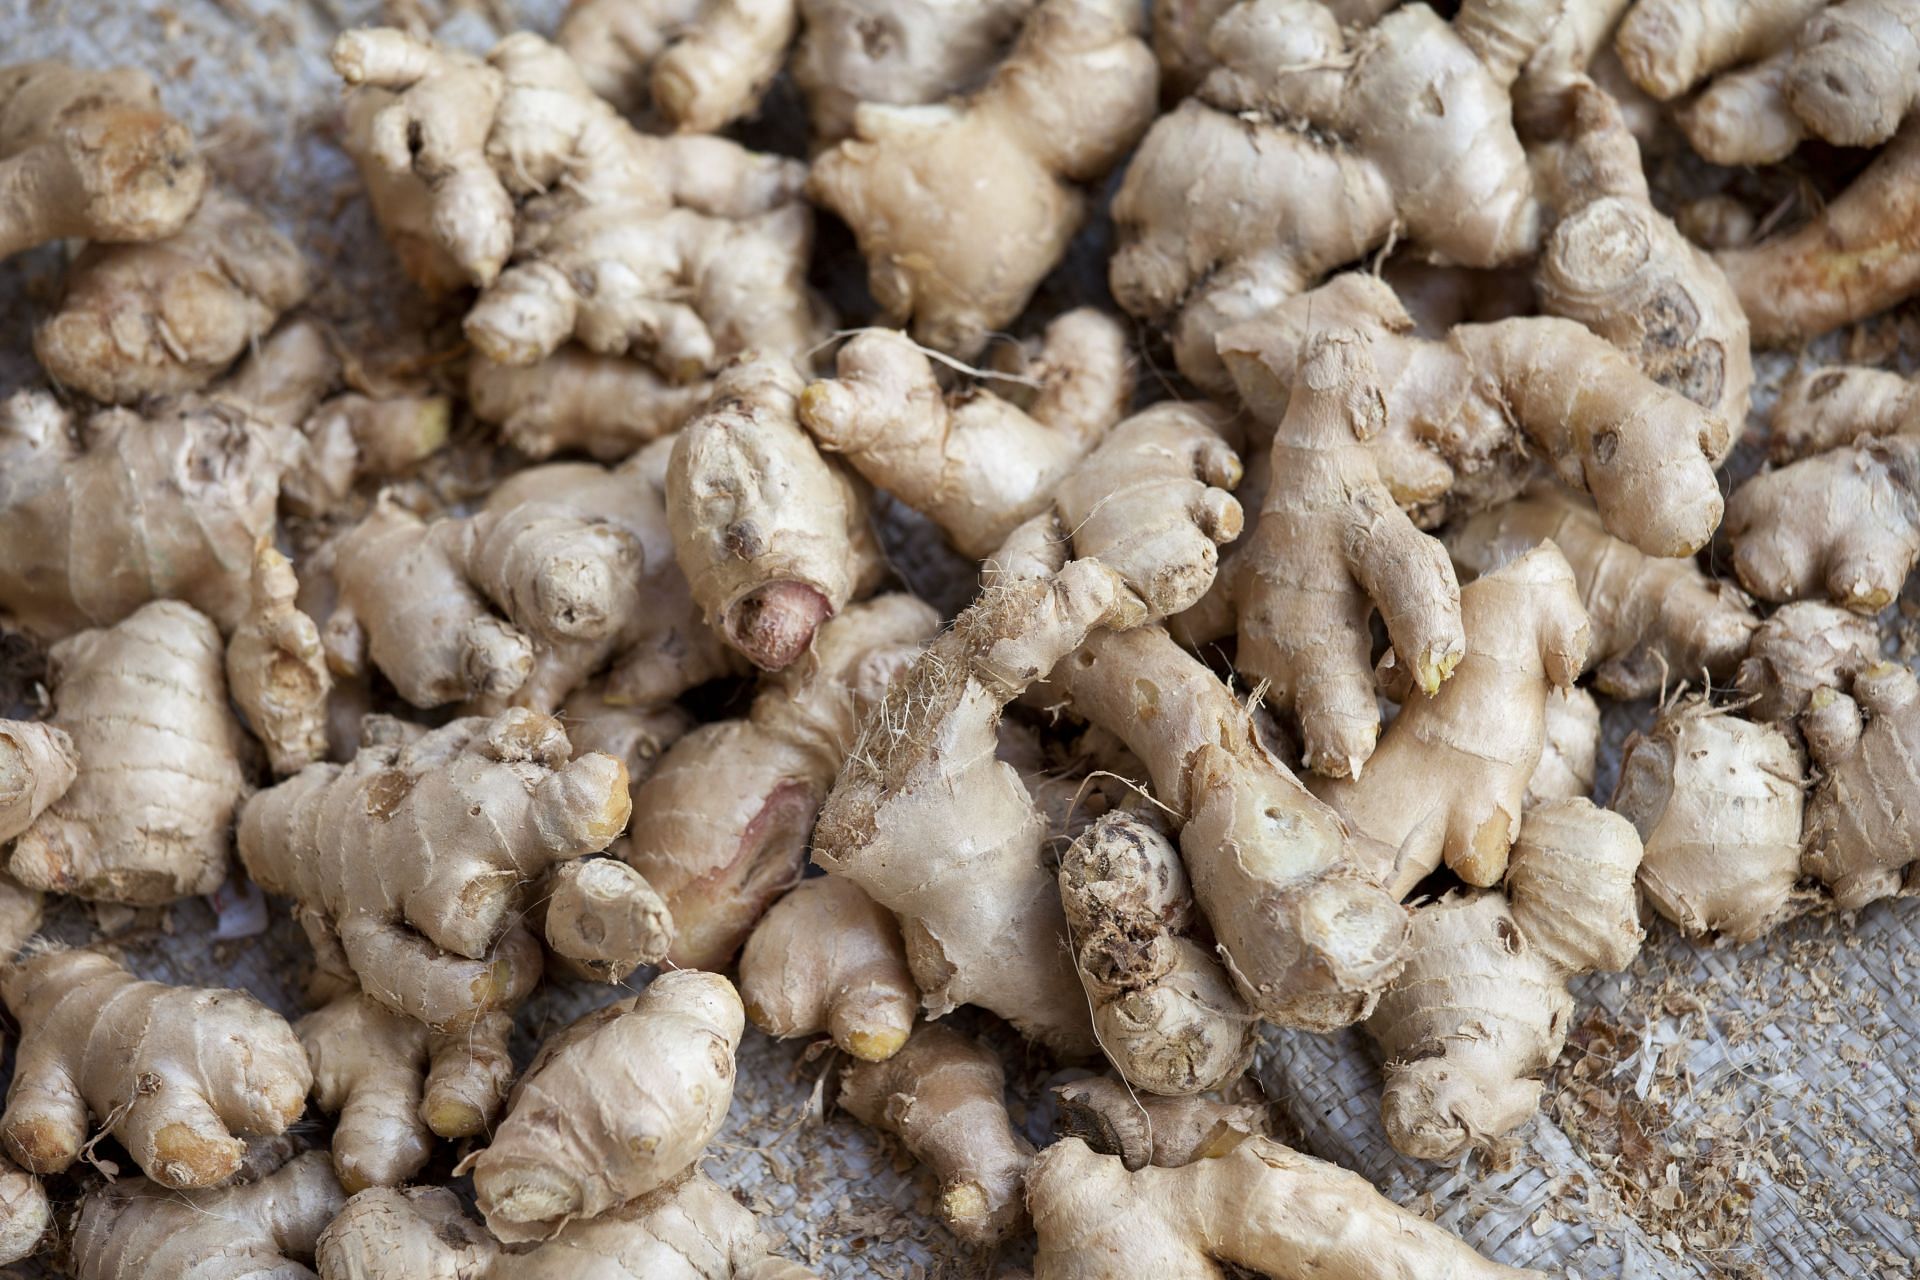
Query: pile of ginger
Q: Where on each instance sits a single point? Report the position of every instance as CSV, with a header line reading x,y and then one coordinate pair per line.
x,y
636,633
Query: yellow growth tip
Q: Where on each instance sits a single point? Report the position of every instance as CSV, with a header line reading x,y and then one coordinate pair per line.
x,y
450,1119
1431,672
875,1046
964,1202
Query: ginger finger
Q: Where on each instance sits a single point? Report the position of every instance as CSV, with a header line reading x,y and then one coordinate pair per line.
x,y
700,63
1821,409
1800,649
1144,1129
604,406
826,959
1569,753
1859,839
277,671
37,765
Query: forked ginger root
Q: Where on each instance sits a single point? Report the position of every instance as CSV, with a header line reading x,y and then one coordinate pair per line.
x,y
1261,1207
616,1105
977,904
1717,801
721,827
702,64
690,1229
147,819
1799,650
974,463
1481,1012
37,765
1341,140
1164,1008
393,1085
1656,622
179,1075
962,208
152,319
90,155
434,934
944,1095
603,406
826,959
263,1230
1144,1129
1475,743
277,671
774,539
1860,836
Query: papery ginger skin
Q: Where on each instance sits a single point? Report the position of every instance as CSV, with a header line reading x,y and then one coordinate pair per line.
x,y
260,1230
1860,841
1799,650
957,255
1262,1207
943,1094
826,959
37,765
169,316
90,155
147,819
436,939
615,1106
226,1067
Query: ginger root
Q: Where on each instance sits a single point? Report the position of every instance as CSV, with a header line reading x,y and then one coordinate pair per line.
x,y
604,406
1165,1010
977,905
943,1094
720,828
394,1084
1340,140
1845,522
37,765
962,208
1656,622
277,671
701,64
90,155
1570,752
1261,1207
25,1213
179,1075
615,1106
1144,1129
261,1230
1860,840
1820,409
826,958
975,464
690,1229
1476,741
1481,1011
773,538
1800,649
147,818
160,318
433,931
1717,801
1467,416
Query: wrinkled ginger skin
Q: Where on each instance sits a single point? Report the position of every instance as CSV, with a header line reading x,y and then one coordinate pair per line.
x,y
1467,416
130,508
974,463
1481,1012
615,1106
1718,802
169,316
721,855
25,1213
1421,140
146,820
1656,622
1262,1207
1331,547
901,52
1860,837
826,959
1144,1129
1821,409
1669,46
957,247
224,1067
1621,268
944,1096
691,1229
434,933
1856,71
1165,1010
1799,650
1845,523
261,1230
277,671
702,64
90,155
1307,932
773,538
604,406
1475,743
37,765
